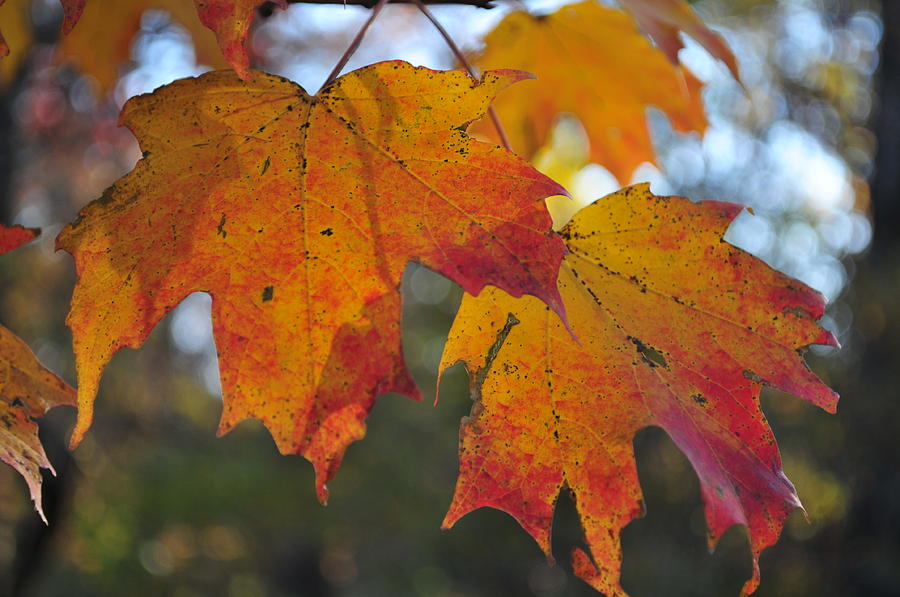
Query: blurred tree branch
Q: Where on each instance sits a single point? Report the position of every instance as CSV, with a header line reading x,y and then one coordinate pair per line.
x,y
267,8
886,183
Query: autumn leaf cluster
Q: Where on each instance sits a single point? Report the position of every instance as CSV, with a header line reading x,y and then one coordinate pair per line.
x,y
298,214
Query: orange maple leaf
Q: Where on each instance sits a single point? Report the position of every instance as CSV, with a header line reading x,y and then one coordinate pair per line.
x,y
229,20
299,214
97,34
590,61
677,328
101,42
27,390
664,20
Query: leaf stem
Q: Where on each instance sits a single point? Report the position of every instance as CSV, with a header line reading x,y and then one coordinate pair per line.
x,y
342,62
468,66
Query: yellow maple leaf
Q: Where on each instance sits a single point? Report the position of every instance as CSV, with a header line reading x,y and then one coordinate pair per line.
x,y
590,61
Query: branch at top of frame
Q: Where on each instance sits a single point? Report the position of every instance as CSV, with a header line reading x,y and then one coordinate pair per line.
x,y
266,9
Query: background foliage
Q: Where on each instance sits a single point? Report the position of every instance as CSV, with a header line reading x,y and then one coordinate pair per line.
x,y
152,503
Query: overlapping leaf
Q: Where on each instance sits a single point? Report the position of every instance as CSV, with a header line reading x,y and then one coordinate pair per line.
x,y
229,20
101,43
27,390
664,20
590,61
97,34
298,214
676,328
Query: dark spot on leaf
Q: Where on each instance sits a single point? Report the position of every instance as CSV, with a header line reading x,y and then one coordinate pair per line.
x,y
753,376
649,355
267,293
327,232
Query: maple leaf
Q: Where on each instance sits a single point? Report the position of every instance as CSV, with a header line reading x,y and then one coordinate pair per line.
x,y
101,42
229,20
663,20
298,215
593,62
676,328
27,390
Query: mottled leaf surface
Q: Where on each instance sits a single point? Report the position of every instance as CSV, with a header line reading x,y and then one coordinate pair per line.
x,y
27,390
299,214
590,61
676,328
665,20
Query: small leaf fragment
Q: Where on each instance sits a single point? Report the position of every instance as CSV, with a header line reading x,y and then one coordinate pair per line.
x,y
27,391
663,20
13,237
230,20
72,11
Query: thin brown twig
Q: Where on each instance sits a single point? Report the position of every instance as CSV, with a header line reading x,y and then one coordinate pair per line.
x,y
462,59
267,8
354,44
